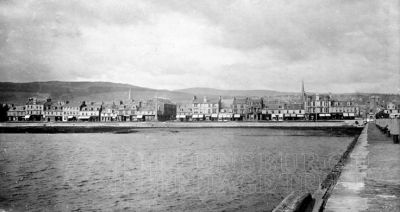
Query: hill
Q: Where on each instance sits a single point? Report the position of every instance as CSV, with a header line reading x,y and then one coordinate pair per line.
x,y
230,93
18,93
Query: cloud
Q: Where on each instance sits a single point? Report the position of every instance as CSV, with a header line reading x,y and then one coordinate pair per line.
x,y
340,46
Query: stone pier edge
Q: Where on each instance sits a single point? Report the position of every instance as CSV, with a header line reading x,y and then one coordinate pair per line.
x,y
322,194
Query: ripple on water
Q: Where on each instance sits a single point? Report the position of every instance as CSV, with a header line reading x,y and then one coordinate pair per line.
x,y
161,170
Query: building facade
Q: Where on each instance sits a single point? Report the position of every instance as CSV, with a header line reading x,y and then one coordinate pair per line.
x,y
317,106
255,106
53,111
240,108
71,111
34,109
16,113
184,112
392,110
343,110
90,111
156,109
205,108
374,106
226,111
109,112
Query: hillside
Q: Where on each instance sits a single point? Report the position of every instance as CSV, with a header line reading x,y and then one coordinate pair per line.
x,y
230,93
17,93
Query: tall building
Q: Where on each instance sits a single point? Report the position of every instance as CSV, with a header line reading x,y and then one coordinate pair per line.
x,y
16,113
156,109
317,106
183,111
303,94
374,104
34,109
204,109
53,111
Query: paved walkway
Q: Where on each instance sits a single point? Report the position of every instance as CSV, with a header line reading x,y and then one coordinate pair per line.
x,y
370,181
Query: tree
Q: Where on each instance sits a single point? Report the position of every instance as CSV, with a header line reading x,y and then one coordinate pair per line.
x,y
3,112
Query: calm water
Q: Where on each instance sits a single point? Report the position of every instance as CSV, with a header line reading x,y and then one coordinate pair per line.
x,y
163,170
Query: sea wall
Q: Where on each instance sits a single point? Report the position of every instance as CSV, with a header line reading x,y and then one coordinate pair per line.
x,y
370,180
316,202
322,194
76,127
179,124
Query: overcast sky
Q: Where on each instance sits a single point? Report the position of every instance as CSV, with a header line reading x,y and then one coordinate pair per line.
x,y
334,45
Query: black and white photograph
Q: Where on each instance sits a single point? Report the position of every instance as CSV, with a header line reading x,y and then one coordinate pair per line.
x,y
200,105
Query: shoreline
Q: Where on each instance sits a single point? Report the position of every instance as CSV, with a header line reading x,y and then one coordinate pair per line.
x,y
128,127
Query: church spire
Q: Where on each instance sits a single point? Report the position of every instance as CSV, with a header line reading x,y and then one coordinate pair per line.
x,y
303,93
129,97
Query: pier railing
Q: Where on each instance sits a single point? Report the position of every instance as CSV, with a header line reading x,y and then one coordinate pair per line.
x,y
391,127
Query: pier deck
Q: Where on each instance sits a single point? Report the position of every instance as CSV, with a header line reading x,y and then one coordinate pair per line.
x,y
370,181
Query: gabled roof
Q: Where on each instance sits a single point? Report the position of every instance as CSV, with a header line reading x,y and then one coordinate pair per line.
x,y
109,106
208,101
38,101
73,104
240,100
17,108
93,104
255,100
226,103
294,106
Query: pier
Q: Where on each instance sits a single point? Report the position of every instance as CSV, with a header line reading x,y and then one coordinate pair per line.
x,y
370,181
366,178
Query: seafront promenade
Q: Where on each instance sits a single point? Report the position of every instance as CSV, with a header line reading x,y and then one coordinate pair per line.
x,y
349,123
370,180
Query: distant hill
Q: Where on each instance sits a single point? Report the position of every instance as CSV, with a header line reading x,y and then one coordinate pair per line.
x,y
18,93
210,92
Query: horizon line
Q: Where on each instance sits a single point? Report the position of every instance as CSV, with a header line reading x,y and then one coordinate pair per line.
x,y
179,90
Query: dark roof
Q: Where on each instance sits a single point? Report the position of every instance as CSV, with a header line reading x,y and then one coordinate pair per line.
x,y
109,106
38,101
294,106
226,103
208,101
19,107
240,100
254,100
73,104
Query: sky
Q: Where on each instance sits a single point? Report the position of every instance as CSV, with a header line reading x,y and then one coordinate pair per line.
x,y
333,45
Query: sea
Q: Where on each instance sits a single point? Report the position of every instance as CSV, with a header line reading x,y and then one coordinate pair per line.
x,y
191,169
